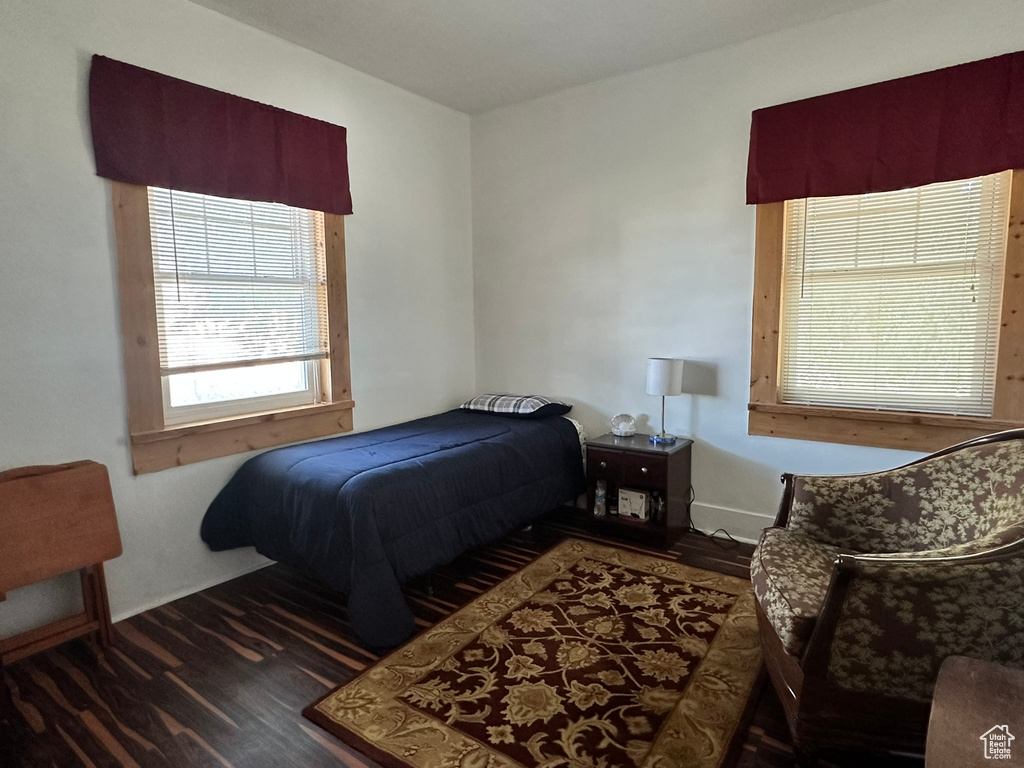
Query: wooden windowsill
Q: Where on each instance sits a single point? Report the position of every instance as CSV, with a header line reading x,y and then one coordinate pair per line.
x,y
231,422
904,430
176,445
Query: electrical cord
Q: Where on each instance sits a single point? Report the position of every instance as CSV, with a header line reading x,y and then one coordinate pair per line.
x,y
729,542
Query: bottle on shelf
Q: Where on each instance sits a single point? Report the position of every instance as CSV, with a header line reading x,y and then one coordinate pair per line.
x,y
657,508
599,498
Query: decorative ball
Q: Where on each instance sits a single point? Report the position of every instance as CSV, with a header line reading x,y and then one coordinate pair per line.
x,y
623,425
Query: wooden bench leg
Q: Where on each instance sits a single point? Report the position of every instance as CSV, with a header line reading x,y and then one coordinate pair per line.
x,y
14,731
6,703
8,716
97,604
6,706
106,625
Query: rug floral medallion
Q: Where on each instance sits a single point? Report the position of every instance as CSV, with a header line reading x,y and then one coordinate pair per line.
x,y
589,657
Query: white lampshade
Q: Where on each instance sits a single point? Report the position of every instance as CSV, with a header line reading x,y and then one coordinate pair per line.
x,y
664,376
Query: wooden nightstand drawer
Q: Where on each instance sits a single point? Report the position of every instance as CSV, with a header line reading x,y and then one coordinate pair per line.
x,y
643,471
604,465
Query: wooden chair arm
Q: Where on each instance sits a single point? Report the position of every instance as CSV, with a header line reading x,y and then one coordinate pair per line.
x,y
862,563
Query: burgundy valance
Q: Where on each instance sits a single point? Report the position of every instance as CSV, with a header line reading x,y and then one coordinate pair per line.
x,y
952,123
160,131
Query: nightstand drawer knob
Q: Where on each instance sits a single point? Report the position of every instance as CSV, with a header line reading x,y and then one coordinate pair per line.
x,y
644,470
604,464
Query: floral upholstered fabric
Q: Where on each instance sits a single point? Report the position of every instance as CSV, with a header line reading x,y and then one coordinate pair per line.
x,y
790,575
938,503
901,620
901,616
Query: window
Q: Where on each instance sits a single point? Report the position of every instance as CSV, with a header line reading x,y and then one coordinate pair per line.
x,y
891,300
234,324
883,319
241,304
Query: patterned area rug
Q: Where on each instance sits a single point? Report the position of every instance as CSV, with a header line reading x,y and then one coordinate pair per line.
x,y
589,657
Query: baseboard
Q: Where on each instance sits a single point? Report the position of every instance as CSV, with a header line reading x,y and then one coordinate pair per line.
x,y
187,591
742,525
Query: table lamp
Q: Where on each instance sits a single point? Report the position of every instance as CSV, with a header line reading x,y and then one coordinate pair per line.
x,y
665,378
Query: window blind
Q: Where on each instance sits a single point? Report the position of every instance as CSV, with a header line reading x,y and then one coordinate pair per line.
x,y
892,300
237,282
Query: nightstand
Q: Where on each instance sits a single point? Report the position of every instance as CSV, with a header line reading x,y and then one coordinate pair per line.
x,y
636,463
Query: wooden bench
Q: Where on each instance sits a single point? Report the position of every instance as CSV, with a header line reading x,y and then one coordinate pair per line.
x,y
55,519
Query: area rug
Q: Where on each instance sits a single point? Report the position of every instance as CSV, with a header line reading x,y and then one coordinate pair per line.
x,y
589,657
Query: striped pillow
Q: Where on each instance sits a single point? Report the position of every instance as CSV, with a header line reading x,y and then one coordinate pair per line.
x,y
518,406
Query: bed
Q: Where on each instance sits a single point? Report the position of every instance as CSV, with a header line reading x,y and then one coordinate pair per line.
x,y
366,512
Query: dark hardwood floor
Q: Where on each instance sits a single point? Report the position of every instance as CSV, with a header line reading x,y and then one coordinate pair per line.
x,y
219,678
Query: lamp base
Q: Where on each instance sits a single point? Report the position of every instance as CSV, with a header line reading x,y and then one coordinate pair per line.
x,y
663,439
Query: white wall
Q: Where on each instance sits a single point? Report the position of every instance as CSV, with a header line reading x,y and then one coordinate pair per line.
x,y
61,384
609,226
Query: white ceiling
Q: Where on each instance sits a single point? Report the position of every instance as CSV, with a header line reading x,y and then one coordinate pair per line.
x,y
475,55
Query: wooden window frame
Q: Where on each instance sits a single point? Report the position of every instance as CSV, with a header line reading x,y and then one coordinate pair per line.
x,y
154,445
908,430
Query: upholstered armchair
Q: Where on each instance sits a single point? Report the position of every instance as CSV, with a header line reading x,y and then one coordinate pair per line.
x,y
868,582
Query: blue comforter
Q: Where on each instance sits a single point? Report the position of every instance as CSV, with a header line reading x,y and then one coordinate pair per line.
x,y
366,512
